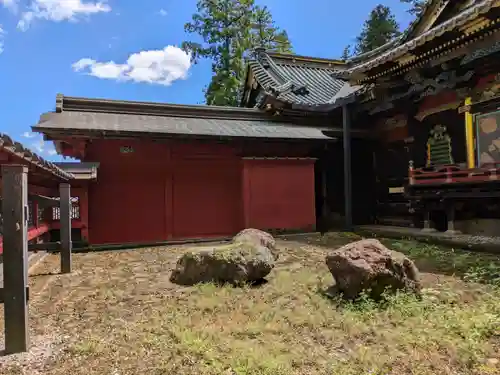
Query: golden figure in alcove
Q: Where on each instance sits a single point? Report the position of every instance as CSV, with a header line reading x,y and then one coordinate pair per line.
x,y
439,147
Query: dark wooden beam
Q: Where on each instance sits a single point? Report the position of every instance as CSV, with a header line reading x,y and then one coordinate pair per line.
x,y
45,246
15,257
65,220
347,166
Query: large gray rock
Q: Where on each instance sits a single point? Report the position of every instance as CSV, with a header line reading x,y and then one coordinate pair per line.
x,y
258,238
245,260
369,266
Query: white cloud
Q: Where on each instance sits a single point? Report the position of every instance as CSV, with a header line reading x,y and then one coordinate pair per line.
x,y
60,10
10,4
160,67
162,12
29,135
1,38
38,145
43,148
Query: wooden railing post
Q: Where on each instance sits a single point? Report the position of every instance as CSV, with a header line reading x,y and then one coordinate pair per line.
x,y
65,220
15,257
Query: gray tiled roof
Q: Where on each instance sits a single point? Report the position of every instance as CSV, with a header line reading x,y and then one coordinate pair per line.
x,y
460,19
18,150
291,79
194,126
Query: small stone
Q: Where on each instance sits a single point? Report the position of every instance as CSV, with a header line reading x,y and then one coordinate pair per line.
x,y
493,362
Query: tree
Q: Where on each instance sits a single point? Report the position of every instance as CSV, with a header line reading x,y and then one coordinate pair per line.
x,y
266,34
380,28
417,6
230,30
346,53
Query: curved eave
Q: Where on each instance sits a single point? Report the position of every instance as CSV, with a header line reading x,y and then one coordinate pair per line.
x,y
17,150
359,73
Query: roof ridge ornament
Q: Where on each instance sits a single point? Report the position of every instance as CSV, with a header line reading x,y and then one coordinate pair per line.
x,y
260,53
59,103
290,86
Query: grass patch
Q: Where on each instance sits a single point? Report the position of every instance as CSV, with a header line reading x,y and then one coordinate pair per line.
x,y
119,314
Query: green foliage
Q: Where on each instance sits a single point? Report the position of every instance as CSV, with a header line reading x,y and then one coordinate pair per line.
x,y
417,6
380,28
230,30
470,266
346,53
266,34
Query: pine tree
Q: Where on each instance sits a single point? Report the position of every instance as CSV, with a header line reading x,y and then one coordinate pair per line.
x,y
230,30
266,34
346,53
380,28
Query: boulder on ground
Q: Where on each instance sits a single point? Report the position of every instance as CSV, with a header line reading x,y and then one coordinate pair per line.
x,y
245,260
369,266
259,238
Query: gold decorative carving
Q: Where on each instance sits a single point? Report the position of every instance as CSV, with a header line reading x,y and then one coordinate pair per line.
x,y
488,91
398,121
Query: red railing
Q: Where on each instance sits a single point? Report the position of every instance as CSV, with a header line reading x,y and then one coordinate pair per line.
x,y
33,233
449,174
41,221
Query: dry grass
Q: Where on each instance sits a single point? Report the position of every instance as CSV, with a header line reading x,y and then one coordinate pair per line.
x,y
118,314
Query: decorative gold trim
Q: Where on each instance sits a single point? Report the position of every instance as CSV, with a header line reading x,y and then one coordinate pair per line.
x,y
425,57
475,25
469,135
405,59
397,190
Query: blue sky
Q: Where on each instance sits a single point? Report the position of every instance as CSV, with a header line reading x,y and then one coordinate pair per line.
x,y
128,49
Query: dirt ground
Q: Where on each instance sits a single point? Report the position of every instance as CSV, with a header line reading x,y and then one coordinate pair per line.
x,y
118,314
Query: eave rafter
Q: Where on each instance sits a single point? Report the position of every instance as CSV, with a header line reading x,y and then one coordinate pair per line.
x,y
409,62
461,29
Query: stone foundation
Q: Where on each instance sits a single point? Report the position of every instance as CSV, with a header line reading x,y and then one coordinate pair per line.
x,y
479,227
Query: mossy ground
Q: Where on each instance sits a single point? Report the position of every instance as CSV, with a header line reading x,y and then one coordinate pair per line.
x,y
117,313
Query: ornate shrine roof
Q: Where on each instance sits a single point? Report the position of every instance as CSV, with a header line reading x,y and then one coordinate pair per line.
x,y
400,47
295,79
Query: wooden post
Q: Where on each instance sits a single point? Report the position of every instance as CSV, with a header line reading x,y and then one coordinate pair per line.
x,y
15,257
347,167
65,220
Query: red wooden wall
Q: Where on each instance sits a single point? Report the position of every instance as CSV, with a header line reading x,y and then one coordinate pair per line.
x,y
162,191
279,194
